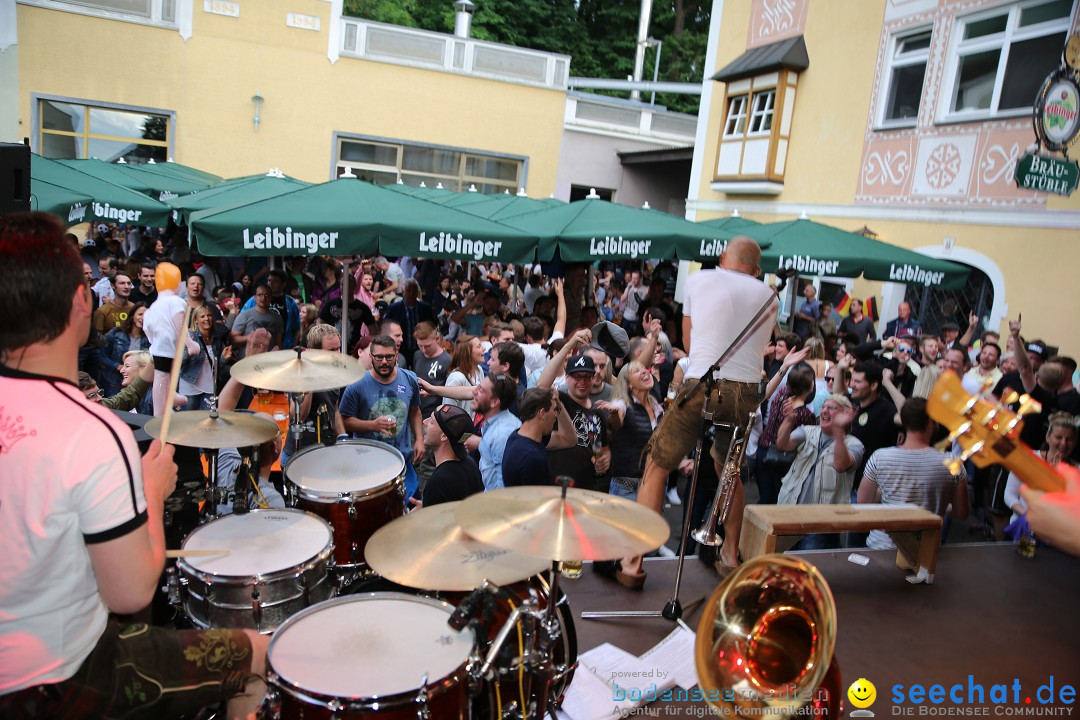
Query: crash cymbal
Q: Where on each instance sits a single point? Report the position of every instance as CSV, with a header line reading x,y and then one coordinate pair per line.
x,y
202,429
585,525
426,549
314,370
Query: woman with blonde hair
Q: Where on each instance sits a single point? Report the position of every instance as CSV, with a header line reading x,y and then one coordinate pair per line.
x,y
1061,437
635,413
133,362
204,349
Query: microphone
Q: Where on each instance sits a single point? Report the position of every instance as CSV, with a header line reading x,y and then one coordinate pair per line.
x,y
466,611
784,275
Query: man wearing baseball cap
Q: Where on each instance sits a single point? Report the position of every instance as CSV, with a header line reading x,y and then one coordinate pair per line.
x,y
456,476
587,462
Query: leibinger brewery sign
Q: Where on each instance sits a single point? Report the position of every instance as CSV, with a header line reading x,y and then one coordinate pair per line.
x,y
805,265
272,238
914,274
104,211
617,246
450,244
76,213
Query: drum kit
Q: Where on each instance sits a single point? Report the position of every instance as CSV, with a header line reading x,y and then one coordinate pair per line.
x,y
450,611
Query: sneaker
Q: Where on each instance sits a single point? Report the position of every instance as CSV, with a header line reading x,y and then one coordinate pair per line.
x,y
673,496
665,551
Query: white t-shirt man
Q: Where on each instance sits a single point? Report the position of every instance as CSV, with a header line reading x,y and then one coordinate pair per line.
x,y
72,476
719,303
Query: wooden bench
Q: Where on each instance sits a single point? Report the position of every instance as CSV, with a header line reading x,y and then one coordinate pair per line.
x,y
776,528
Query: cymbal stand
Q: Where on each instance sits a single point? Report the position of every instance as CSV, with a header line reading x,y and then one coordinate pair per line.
x,y
673,609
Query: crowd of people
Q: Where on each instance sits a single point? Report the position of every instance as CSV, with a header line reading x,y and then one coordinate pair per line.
x,y
477,337
482,376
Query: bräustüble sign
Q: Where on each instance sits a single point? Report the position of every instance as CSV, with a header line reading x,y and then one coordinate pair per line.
x,y
1044,173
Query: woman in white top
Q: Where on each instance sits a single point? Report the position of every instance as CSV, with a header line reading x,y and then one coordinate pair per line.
x,y
1061,435
466,368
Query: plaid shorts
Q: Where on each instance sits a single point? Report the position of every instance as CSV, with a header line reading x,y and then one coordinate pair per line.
x,y
140,671
730,402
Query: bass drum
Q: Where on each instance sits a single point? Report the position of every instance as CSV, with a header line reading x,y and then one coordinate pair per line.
x,y
377,656
508,689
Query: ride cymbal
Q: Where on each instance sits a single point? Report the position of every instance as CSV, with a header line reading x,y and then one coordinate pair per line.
x,y
585,525
310,371
223,429
427,550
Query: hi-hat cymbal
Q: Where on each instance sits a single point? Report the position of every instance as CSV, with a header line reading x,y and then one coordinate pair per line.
x,y
585,525
314,370
199,428
426,549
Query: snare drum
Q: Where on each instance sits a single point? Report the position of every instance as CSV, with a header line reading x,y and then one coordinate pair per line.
x,y
356,485
278,563
380,655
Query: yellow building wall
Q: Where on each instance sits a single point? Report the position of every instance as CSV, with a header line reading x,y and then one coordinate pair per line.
x,y
1039,265
210,79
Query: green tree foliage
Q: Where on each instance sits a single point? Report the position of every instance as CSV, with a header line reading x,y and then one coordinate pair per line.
x,y
598,35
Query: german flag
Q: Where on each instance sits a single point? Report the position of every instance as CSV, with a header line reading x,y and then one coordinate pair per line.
x,y
871,309
843,303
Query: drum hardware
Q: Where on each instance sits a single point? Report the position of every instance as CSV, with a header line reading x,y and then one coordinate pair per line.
x,y
214,429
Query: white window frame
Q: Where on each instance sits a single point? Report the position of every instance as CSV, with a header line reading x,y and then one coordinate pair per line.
x,y
1001,41
181,10
756,112
738,111
893,63
431,179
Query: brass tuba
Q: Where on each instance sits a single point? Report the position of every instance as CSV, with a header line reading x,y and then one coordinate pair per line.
x,y
725,492
765,642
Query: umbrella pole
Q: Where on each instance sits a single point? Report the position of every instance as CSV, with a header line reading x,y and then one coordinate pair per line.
x,y
345,309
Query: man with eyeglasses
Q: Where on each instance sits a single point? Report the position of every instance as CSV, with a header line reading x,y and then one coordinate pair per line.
x,y
259,316
127,399
903,366
384,405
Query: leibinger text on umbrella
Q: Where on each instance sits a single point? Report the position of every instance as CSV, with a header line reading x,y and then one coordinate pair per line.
x,y
273,239
450,244
107,212
805,265
915,274
617,246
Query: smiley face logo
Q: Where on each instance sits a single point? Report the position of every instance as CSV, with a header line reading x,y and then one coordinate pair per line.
x,y
862,693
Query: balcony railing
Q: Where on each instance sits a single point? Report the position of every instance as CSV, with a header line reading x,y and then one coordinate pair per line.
x,y
448,53
593,112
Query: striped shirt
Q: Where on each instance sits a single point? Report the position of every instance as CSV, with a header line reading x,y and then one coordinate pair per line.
x,y
917,477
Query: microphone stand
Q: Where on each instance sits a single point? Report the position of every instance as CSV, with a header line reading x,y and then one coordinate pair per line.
x,y
673,609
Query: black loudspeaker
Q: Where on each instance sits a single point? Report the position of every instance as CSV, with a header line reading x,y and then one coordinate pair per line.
x,y
14,178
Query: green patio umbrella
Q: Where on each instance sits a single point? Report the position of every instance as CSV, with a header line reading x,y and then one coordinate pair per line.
x,y
112,203
72,207
732,223
184,172
507,205
229,195
349,216
154,185
591,230
813,248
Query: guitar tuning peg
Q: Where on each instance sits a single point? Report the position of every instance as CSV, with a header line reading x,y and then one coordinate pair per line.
x,y
987,386
955,465
960,430
972,450
1028,405
1009,397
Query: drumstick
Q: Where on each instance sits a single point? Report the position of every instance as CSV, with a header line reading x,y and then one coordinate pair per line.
x,y
174,378
193,553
